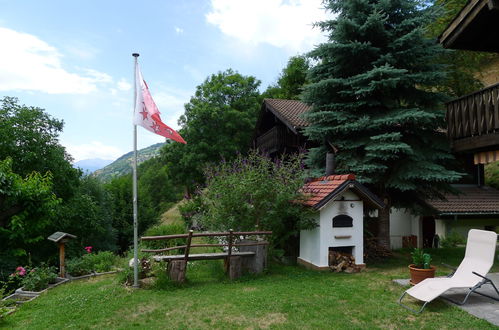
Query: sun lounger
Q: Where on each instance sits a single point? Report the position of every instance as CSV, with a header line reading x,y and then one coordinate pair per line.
x,y
471,273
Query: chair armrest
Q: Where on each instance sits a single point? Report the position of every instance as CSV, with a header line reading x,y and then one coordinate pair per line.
x,y
480,276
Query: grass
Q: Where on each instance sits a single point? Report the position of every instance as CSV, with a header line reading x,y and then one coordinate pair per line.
x,y
285,297
172,215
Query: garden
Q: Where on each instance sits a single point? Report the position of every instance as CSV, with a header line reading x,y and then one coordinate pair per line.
x,y
283,297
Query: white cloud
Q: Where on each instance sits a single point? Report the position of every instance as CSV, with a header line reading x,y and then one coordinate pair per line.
x,y
94,149
31,64
179,30
283,24
124,85
170,102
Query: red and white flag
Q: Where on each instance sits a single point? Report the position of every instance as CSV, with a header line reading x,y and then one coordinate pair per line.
x,y
147,113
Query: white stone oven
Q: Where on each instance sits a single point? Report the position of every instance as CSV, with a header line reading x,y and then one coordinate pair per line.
x,y
339,204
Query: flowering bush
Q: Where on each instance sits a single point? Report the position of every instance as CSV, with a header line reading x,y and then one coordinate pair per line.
x,y
88,249
99,262
255,191
39,278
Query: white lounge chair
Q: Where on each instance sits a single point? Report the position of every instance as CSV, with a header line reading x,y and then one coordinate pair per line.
x,y
478,260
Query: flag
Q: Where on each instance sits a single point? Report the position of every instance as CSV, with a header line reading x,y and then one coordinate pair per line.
x,y
147,113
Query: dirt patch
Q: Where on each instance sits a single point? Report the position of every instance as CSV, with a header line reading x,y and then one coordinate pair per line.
x,y
249,289
271,319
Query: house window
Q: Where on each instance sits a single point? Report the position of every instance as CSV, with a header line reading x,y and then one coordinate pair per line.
x,y
342,220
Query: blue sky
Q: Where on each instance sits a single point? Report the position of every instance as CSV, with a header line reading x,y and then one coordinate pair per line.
x,y
73,58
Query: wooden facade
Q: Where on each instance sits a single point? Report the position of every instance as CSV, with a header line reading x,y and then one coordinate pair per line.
x,y
279,129
473,121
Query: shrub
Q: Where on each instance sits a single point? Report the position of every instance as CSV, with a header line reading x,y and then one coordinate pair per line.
x,y
420,259
92,262
453,239
162,230
256,191
78,267
39,278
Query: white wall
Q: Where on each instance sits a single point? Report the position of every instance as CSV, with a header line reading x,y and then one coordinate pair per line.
x,y
310,244
314,244
403,223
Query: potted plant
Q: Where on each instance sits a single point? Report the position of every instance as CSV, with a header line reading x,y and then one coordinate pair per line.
x,y
421,268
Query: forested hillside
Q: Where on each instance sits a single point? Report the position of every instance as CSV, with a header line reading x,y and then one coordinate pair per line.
x,y
123,165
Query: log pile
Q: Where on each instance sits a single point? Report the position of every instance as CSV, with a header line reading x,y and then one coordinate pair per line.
x,y
342,262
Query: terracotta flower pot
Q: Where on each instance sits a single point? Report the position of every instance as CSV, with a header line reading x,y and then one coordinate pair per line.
x,y
418,274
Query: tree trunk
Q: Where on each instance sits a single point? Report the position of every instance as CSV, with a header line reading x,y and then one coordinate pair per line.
x,y
384,225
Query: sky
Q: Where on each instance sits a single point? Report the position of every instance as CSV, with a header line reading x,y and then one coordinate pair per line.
x,y
73,58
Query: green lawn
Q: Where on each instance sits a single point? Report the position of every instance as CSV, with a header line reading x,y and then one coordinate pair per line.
x,y
285,297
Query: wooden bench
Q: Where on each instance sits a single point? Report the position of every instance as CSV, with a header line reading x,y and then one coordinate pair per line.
x,y
251,257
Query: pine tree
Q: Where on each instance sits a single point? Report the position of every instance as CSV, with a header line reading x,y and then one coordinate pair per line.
x,y
373,102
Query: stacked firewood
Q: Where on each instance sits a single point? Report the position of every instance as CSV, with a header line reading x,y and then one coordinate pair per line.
x,y
342,262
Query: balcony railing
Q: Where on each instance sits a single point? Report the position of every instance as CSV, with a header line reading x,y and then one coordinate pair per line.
x,y
276,139
473,120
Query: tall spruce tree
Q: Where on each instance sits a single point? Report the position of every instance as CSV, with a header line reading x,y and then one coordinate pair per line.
x,y
374,103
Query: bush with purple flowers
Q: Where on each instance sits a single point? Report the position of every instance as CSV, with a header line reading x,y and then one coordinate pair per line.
x,y
255,191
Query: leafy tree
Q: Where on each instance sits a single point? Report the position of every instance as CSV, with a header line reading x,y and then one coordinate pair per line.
x,y
26,209
373,100
156,194
291,80
462,66
256,191
88,215
30,135
218,123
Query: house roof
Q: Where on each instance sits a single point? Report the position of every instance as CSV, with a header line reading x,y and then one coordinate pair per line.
x,y
288,111
320,191
472,199
473,27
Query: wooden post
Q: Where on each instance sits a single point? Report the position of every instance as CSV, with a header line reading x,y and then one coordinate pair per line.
x,y
229,251
62,267
188,246
234,268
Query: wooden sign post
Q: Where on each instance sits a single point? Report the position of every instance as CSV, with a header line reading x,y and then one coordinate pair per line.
x,y
61,239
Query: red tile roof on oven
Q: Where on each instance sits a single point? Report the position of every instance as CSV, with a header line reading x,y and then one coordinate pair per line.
x,y
472,199
321,190
289,111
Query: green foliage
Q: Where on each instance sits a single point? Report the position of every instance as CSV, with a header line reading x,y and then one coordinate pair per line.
x,y
103,261
420,259
192,211
88,215
218,122
291,80
256,191
373,100
123,165
37,279
492,175
30,136
452,240
26,209
162,230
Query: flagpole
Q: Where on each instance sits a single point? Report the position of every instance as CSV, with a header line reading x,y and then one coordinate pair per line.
x,y
135,221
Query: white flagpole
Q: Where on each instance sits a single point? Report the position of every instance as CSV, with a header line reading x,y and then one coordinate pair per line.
x,y
135,224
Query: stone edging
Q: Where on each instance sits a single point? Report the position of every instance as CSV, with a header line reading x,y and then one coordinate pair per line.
x,y
31,295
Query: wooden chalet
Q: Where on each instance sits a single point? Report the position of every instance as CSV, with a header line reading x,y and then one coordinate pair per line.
x,y
473,120
279,129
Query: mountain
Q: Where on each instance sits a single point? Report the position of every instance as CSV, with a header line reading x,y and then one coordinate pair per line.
x,y
123,165
91,165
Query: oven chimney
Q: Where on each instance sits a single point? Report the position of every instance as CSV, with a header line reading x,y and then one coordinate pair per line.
x,y
329,163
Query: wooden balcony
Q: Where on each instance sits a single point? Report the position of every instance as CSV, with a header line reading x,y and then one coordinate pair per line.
x,y
277,139
473,121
